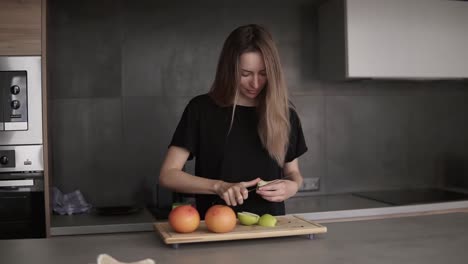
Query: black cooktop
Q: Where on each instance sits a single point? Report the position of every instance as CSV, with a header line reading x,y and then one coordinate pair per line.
x,y
413,196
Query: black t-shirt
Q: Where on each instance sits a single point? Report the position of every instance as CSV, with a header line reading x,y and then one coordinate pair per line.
x,y
239,156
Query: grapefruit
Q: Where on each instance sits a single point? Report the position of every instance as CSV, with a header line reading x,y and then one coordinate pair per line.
x,y
184,219
220,219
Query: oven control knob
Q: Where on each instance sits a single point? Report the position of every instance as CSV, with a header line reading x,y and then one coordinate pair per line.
x,y
15,89
15,104
4,160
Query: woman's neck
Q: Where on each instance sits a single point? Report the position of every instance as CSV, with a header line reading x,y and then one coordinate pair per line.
x,y
246,101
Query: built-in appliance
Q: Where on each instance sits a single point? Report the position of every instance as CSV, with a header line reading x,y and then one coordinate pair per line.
x,y
22,213
22,207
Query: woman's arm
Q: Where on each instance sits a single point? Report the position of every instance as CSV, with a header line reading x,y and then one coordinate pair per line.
x,y
171,176
292,172
283,189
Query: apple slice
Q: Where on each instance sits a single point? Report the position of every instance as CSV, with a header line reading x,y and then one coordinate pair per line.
x,y
267,220
262,183
246,218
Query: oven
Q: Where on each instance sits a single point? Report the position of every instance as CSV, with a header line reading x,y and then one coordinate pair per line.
x,y
22,207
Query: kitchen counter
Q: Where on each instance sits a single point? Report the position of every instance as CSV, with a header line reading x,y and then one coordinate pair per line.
x,y
93,223
328,203
421,239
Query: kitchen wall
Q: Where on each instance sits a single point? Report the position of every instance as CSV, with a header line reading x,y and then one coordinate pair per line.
x,y
121,73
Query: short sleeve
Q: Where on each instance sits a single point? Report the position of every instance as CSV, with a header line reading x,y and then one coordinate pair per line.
x,y
297,144
186,134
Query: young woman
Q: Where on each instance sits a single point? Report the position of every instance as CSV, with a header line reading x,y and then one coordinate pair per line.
x,y
243,131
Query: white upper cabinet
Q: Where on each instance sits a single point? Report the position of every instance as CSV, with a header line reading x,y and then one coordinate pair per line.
x,y
393,39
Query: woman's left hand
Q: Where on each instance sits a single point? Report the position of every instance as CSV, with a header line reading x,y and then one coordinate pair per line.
x,y
278,191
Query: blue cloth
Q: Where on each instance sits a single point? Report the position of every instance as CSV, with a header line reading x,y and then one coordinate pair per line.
x,y
70,203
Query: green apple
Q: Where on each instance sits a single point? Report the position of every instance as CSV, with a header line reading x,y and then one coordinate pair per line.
x,y
267,220
246,218
261,183
174,205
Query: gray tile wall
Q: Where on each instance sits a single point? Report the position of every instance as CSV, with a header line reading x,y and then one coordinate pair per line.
x,y
121,72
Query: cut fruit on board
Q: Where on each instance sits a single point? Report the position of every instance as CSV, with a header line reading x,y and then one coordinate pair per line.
x,y
246,218
286,225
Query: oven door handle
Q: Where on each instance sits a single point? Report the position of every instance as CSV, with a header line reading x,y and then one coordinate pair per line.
x,y
16,183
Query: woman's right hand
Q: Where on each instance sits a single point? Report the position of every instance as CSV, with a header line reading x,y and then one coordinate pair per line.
x,y
234,193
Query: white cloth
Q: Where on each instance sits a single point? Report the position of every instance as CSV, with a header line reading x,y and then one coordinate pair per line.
x,y
106,259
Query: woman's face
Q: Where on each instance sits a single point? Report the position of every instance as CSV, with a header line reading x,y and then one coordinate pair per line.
x,y
253,77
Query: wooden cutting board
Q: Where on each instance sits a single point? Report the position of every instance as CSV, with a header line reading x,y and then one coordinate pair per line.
x,y
287,225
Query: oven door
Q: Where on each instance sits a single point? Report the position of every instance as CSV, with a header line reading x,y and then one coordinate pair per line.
x,y
22,211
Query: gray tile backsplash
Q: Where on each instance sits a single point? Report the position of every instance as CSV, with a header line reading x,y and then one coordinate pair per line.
x,y
149,123
84,45
119,81
311,110
87,150
160,61
439,138
366,142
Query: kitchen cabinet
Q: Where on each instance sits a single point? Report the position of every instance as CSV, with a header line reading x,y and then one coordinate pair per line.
x,y
20,27
399,39
23,33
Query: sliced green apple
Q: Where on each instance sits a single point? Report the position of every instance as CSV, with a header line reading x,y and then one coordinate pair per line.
x,y
262,183
246,218
267,220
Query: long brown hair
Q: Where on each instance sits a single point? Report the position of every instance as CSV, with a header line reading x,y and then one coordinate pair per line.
x,y
273,101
